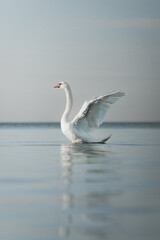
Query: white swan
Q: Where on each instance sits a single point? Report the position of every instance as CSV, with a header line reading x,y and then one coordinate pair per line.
x,y
90,116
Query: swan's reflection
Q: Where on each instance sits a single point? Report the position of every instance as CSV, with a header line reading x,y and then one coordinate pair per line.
x,y
70,152
72,197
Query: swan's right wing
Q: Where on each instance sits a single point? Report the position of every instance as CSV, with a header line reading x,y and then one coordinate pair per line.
x,y
93,112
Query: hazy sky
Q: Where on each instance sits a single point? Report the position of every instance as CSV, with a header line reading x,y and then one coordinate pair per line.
x,y
95,45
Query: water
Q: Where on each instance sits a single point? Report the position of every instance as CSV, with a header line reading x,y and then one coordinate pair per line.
x,y
51,189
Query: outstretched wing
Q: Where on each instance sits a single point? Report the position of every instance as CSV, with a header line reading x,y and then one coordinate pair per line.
x,y
92,113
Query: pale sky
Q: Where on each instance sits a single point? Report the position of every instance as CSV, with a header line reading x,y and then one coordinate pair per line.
x,y
95,45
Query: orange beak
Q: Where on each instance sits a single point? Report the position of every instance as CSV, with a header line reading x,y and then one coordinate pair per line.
x,y
58,86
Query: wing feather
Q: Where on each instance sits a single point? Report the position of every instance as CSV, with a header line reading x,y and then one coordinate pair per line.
x,y
92,113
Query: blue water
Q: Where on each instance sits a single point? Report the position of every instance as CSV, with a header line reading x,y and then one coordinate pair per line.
x,y
52,189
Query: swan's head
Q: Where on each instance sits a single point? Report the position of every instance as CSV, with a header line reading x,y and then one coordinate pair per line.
x,y
61,85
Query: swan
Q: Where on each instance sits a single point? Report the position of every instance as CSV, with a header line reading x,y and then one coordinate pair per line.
x,y
90,116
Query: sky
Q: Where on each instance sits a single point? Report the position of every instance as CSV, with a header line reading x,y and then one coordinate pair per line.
x,y
94,45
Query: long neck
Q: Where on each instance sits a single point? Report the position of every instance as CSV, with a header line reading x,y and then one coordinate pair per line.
x,y
68,108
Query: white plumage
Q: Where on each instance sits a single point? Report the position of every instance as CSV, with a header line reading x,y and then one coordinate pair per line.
x,y
90,116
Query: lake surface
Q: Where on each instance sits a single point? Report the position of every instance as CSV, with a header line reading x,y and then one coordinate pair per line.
x,y
51,189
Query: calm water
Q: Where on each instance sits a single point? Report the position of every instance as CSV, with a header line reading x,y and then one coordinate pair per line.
x,y
51,189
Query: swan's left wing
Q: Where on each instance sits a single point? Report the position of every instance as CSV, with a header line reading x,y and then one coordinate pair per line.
x,y
93,112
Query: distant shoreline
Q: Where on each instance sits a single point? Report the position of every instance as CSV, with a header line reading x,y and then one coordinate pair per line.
x,y
57,124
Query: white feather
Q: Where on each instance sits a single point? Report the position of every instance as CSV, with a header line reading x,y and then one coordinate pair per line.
x,y
93,112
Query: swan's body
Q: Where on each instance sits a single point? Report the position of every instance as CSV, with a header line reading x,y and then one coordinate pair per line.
x,y
90,116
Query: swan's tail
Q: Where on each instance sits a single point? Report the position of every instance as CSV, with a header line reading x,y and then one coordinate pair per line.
x,y
105,139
